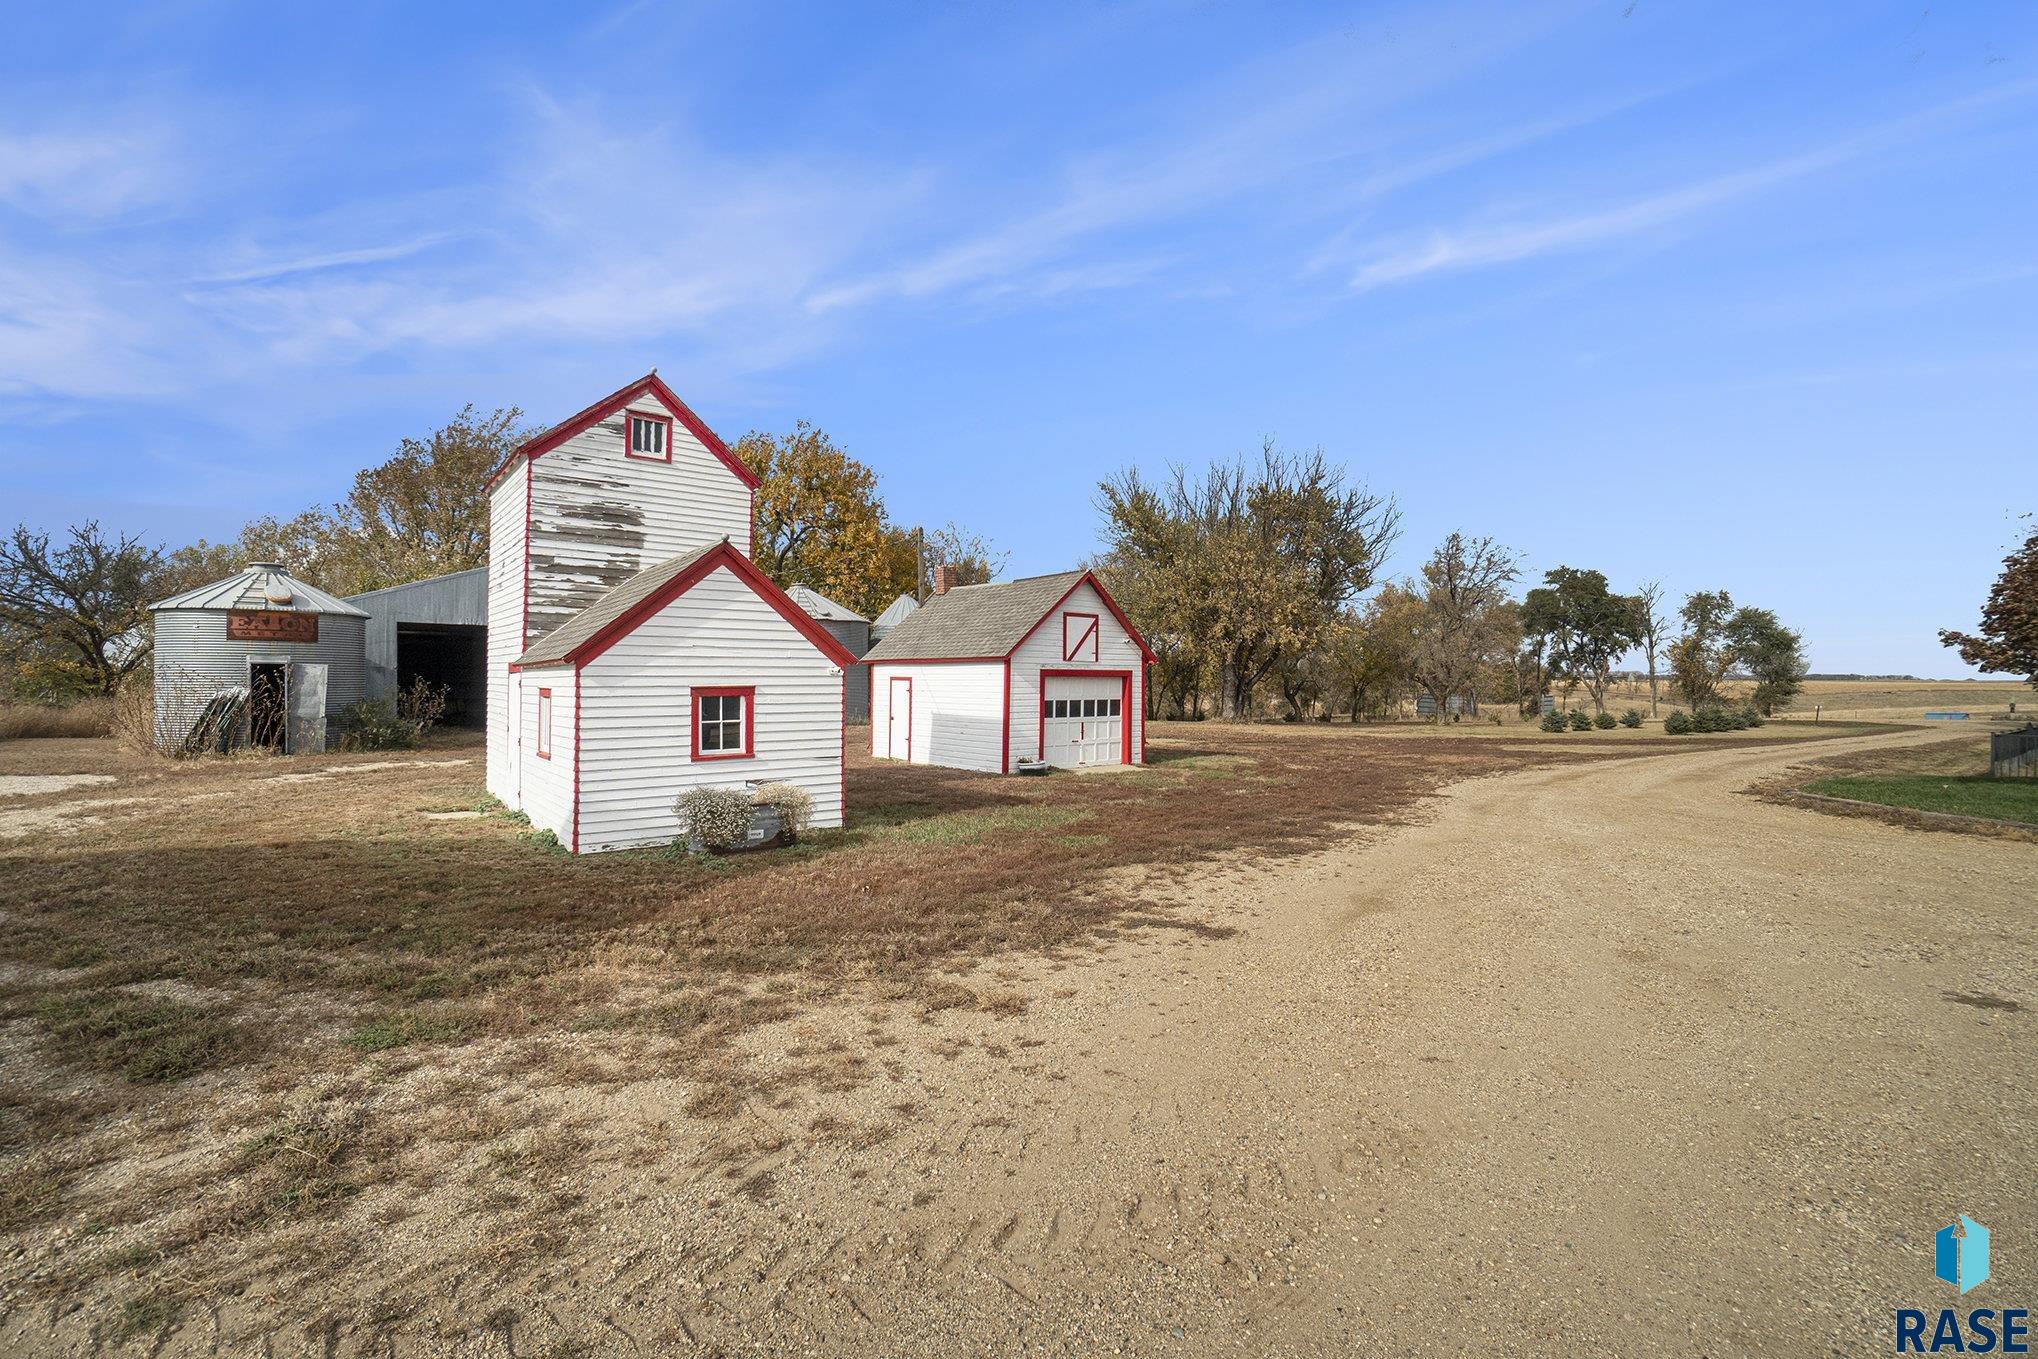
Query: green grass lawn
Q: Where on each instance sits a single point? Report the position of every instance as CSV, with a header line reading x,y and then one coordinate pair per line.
x,y
1963,795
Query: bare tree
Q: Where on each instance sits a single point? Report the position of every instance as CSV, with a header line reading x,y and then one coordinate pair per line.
x,y
970,558
1650,629
84,600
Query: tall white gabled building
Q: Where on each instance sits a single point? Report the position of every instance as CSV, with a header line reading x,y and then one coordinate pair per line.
x,y
633,649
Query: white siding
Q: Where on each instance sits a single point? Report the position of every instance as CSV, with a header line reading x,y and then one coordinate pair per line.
x,y
505,625
1043,650
598,516
636,717
547,793
957,717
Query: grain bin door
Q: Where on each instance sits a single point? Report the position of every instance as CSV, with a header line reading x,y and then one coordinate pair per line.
x,y
307,729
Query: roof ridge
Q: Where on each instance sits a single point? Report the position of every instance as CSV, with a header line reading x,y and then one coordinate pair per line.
x,y
1016,580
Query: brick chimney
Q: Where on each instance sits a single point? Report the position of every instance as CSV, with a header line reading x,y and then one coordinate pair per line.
x,y
941,579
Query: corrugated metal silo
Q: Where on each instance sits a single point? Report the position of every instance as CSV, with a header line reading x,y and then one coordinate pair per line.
x,y
851,629
294,655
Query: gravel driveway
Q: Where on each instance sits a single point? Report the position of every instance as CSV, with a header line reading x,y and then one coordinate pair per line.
x,y
1609,1058
1603,1059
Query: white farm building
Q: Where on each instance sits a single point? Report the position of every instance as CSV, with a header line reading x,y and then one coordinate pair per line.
x,y
984,676
633,649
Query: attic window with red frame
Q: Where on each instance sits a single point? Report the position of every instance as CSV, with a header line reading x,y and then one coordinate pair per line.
x,y
1078,636
724,723
649,436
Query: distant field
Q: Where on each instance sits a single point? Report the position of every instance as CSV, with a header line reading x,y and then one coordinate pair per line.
x,y
1858,700
1910,700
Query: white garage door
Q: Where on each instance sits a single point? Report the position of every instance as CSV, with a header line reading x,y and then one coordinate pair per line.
x,y
1082,723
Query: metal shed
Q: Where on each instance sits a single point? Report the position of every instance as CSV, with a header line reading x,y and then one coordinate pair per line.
x,y
851,629
435,630
259,658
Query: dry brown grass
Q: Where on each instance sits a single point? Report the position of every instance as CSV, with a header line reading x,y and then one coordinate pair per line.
x,y
1910,700
250,998
86,718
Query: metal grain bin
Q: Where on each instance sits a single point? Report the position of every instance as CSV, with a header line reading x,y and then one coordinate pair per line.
x,y
851,629
261,657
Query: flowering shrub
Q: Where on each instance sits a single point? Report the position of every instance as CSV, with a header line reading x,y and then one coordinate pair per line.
x,y
717,817
794,807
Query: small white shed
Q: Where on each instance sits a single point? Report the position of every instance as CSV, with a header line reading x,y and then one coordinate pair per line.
x,y
696,672
983,676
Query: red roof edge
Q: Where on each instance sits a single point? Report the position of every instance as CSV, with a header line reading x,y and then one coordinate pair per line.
x,y
581,420
722,554
1088,578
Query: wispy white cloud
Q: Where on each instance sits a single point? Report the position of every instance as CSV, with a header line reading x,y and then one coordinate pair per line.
x,y
92,173
572,230
1506,243
332,259
1278,118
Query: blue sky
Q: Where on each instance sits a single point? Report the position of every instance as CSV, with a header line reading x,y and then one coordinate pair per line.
x,y
1740,297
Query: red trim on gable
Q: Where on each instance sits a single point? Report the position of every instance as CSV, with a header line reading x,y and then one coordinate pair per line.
x,y
746,692
630,435
593,415
1088,578
1072,651
1124,707
722,554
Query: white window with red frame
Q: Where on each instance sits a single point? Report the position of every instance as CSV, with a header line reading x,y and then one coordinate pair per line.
x,y
725,723
647,435
544,724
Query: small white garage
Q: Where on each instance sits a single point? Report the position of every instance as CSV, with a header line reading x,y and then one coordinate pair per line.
x,y
984,676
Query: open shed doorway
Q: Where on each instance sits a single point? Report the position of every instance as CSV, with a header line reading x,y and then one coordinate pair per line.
x,y
452,655
268,704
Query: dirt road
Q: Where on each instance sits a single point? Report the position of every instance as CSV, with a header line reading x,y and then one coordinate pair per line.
x,y
1607,1058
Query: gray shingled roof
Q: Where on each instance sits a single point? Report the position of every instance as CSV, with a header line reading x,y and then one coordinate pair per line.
x,y
818,605
974,620
263,585
560,643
